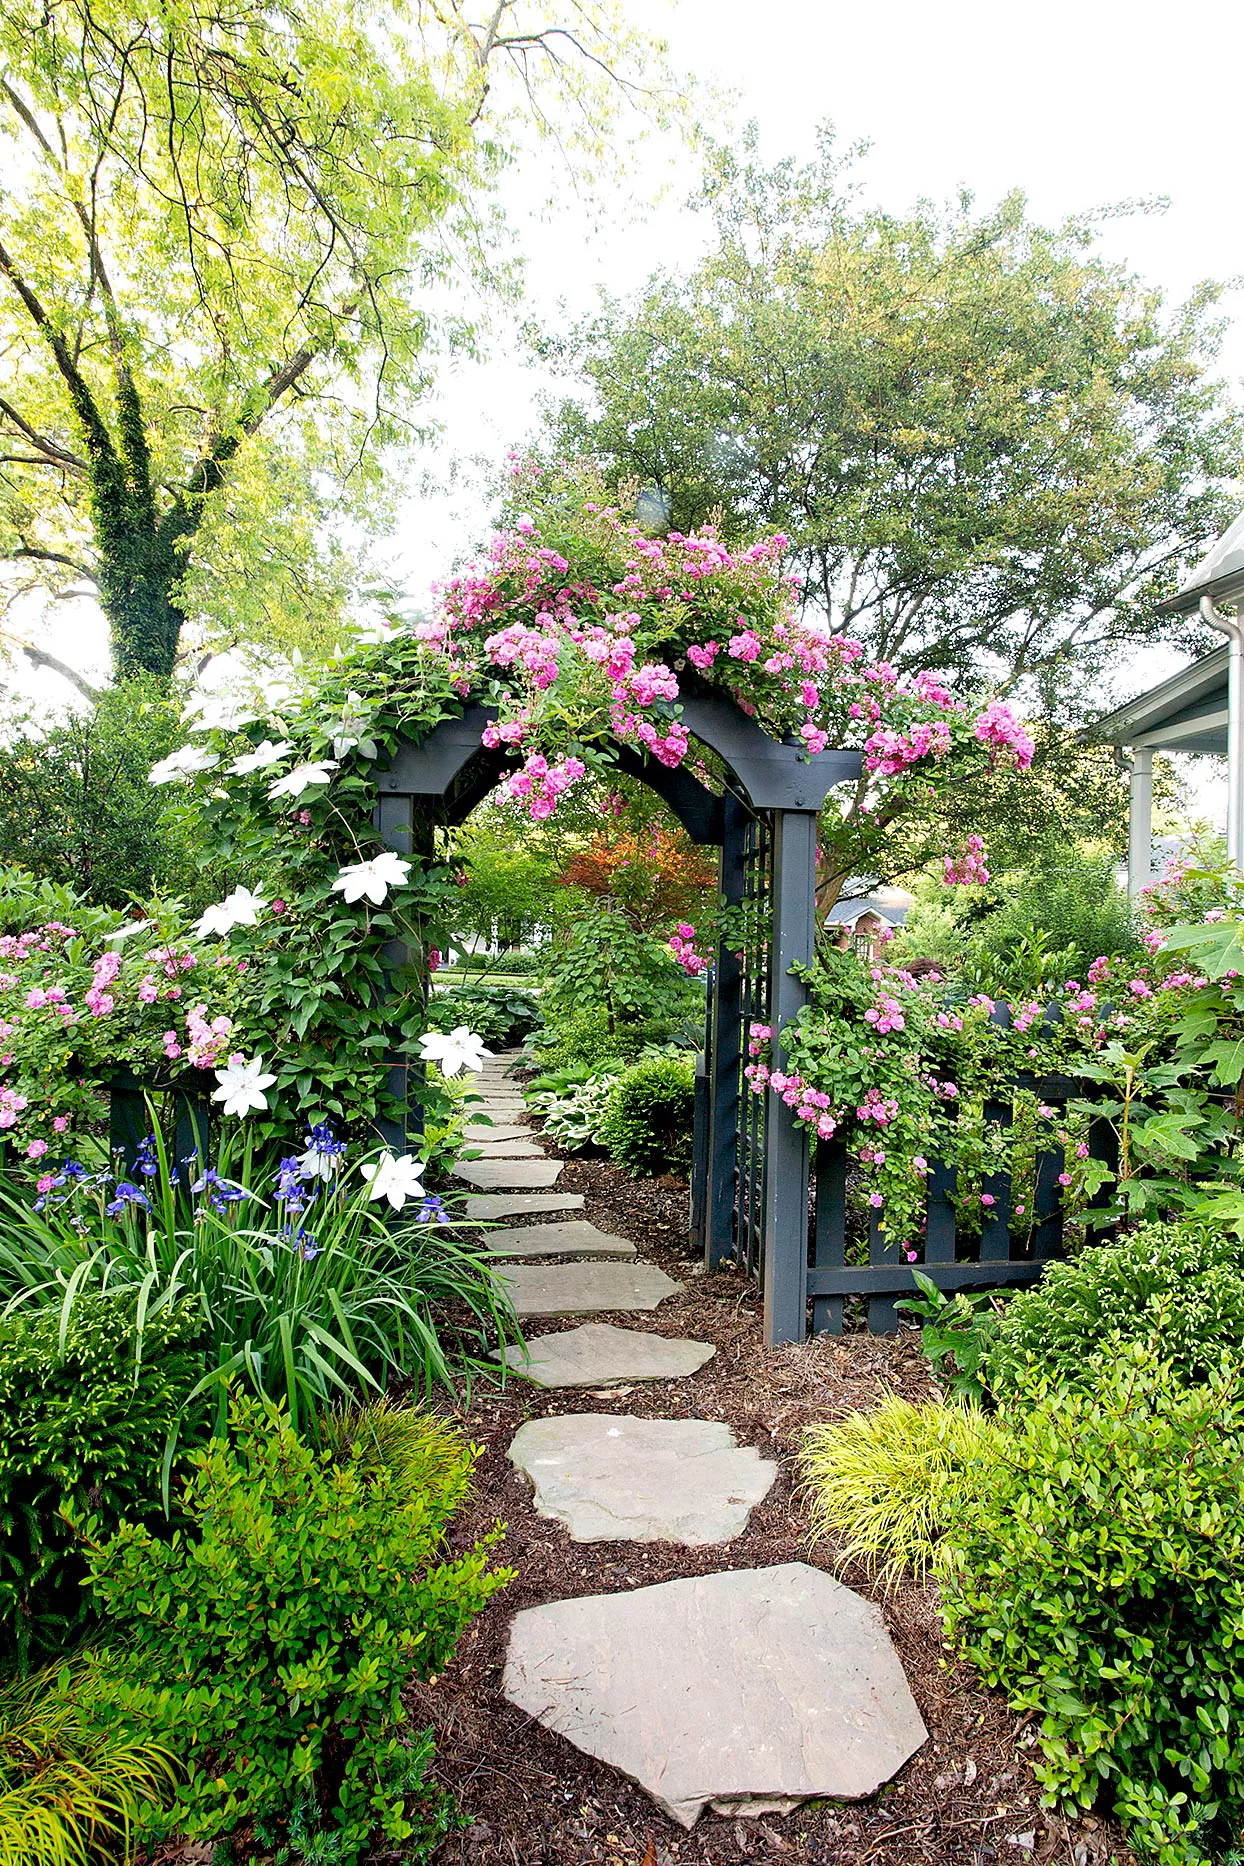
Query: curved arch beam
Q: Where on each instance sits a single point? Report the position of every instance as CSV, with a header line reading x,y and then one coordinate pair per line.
x,y
774,776
698,809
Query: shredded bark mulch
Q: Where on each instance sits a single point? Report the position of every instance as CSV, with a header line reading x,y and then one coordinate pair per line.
x,y
967,1798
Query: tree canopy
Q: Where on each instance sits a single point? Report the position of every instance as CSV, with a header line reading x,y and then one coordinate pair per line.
x,y
219,239
991,449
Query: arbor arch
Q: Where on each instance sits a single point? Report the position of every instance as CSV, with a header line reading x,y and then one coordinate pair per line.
x,y
751,1177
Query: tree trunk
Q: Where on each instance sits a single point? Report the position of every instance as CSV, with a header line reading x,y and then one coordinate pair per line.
x,y
137,570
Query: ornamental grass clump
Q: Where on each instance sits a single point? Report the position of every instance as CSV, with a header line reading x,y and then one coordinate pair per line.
x,y
1097,1578
267,1643
70,1785
882,1483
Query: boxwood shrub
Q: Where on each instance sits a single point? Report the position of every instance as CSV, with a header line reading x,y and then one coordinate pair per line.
x,y
84,1430
1178,1287
650,1117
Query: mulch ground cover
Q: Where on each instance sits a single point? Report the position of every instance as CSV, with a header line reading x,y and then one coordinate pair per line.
x,y
966,1798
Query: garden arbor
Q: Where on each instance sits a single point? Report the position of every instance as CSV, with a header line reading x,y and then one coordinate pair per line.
x,y
751,1185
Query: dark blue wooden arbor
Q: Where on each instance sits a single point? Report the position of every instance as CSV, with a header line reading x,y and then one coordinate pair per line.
x,y
751,1203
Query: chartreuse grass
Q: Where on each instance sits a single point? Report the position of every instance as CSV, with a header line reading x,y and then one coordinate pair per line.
x,y
69,1786
882,1482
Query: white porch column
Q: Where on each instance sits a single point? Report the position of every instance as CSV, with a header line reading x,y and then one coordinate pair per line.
x,y
1140,822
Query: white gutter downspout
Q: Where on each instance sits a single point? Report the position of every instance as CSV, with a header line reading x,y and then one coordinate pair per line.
x,y
1231,627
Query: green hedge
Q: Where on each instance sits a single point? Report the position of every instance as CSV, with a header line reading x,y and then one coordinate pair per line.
x,y
84,1429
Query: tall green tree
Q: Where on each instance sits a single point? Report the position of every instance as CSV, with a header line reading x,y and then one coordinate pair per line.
x,y
992,449
220,233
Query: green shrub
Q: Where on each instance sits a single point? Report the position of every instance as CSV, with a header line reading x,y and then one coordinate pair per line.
x,y
611,965
651,1116
585,1039
78,807
268,1643
69,1787
1097,1579
883,1482
1177,1287
85,1426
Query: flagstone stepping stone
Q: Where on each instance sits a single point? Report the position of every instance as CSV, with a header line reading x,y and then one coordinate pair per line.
x,y
756,1685
568,1237
508,1175
599,1354
609,1478
496,1130
486,1207
524,1148
584,1288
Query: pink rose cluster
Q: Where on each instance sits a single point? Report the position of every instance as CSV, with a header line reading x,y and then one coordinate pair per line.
x,y
682,945
539,784
525,622
998,728
967,869
52,996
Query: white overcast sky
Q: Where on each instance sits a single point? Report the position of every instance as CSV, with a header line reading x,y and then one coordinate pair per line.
x,y
1079,103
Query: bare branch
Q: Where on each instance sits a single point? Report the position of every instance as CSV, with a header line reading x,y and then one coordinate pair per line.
x,y
34,554
55,454
41,657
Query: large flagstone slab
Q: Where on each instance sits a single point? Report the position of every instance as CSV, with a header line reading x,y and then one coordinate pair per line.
x,y
566,1237
497,1130
584,1288
486,1207
761,1684
508,1175
609,1478
599,1354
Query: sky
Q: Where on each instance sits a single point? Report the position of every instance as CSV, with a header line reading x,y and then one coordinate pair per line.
x,y
1079,103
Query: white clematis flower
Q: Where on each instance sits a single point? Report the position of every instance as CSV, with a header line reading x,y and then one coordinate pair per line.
x,y
301,778
180,766
453,1050
242,1085
373,878
126,932
395,1178
352,728
268,753
223,712
239,909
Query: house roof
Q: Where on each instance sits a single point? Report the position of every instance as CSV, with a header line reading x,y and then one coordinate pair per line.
x,y
1219,575
889,904
1187,713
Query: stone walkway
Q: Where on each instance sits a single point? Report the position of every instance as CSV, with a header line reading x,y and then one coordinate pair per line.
x,y
775,1684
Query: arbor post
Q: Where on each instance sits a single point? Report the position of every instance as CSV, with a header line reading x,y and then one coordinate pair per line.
x,y
394,822
727,1049
793,942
